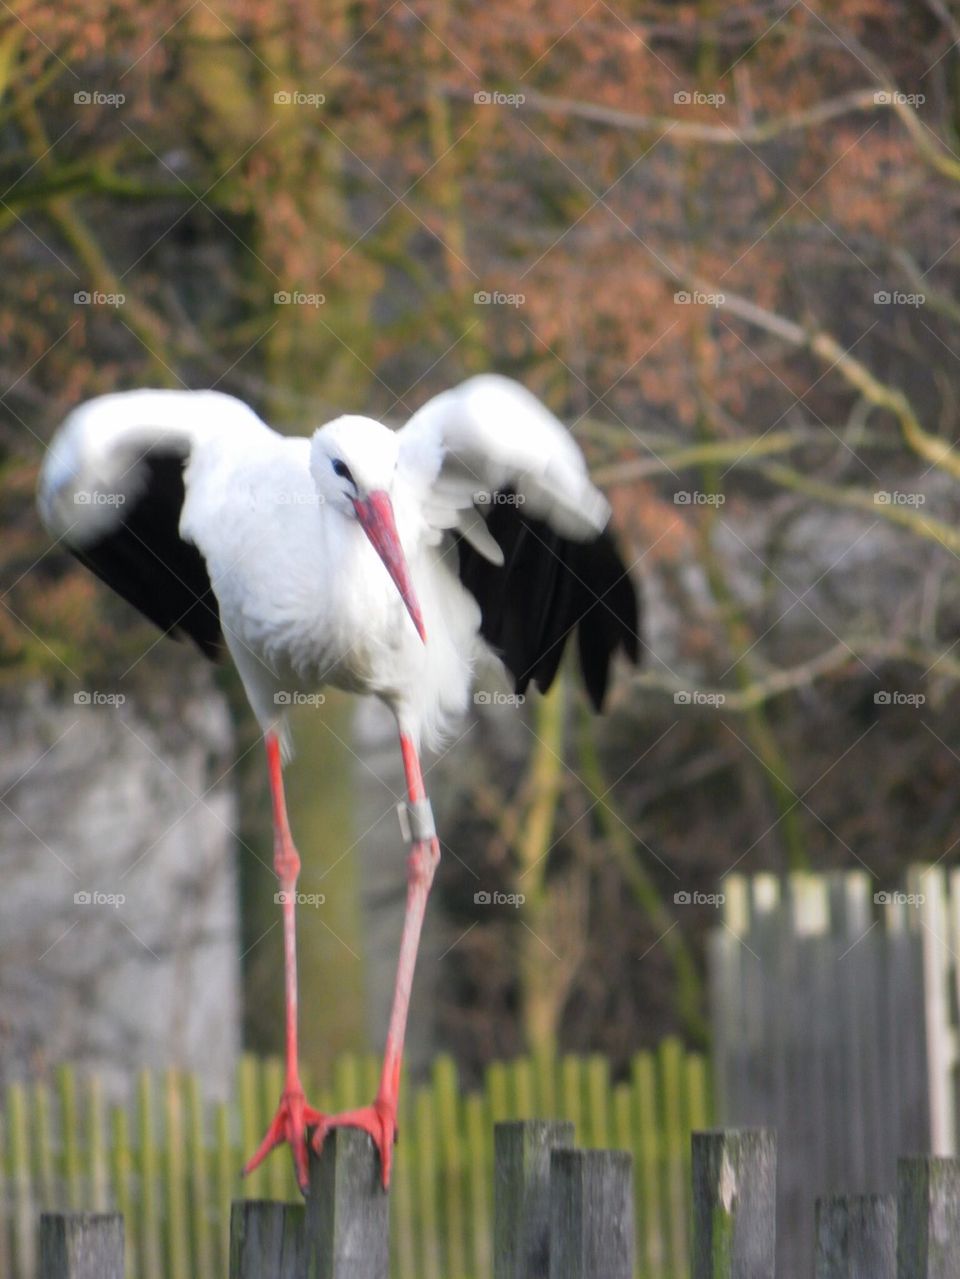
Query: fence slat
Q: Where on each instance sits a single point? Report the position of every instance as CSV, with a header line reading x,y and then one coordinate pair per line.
x,y
347,1210
856,1237
734,1182
81,1245
928,1218
521,1195
591,1214
266,1240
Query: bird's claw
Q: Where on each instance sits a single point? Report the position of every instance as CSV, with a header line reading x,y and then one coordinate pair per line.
x,y
289,1125
378,1119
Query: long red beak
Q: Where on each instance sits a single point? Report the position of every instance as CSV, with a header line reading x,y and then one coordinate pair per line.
x,y
376,519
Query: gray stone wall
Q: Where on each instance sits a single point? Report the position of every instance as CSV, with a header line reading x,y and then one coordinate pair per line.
x,y
118,901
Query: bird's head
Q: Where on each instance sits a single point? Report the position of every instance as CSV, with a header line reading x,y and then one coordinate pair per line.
x,y
353,461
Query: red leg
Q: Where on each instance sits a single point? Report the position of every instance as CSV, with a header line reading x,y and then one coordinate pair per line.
x,y
380,1118
293,1114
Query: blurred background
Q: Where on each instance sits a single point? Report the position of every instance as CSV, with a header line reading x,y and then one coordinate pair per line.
x,y
721,242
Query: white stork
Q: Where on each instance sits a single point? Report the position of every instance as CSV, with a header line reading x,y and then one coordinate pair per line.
x,y
375,561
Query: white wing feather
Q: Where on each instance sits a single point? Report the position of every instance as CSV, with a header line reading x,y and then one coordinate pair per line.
x,y
91,468
487,435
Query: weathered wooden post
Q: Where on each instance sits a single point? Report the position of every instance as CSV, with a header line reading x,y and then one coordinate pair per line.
x,y
928,1218
591,1214
856,1237
521,1196
266,1238
81,1245
734,1204
348,1210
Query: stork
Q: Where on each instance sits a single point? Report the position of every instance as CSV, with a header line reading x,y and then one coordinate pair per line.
x,y
377,561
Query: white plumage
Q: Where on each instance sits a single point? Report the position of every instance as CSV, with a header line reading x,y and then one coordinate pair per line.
x,y
377,561
303,598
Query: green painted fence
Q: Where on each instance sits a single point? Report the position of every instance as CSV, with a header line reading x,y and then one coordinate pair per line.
x,y
169,1160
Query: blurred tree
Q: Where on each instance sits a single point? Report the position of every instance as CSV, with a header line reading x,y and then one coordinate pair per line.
x,y
719,239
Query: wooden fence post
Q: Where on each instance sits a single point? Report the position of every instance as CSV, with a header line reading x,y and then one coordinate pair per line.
x,y
591,1214
734,1204
928,1218
856,1237
266,1238
348,1211
521,1195
81,1245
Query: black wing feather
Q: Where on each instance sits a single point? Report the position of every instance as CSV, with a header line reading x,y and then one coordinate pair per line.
x,y
145,560
547,587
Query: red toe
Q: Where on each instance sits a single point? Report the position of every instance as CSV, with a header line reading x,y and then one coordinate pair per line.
x,y
379,1120
288,1126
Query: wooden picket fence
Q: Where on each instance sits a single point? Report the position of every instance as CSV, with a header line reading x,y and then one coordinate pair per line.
x,y
834,1006
169,1161
565,1213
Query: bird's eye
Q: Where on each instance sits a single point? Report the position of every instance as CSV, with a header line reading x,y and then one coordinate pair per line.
x,y
340,468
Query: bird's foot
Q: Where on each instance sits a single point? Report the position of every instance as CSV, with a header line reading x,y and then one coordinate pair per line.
x,y
289,1125
378,1119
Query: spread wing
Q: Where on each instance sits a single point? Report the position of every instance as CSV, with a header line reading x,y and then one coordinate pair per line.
x,y
496,468
112,489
